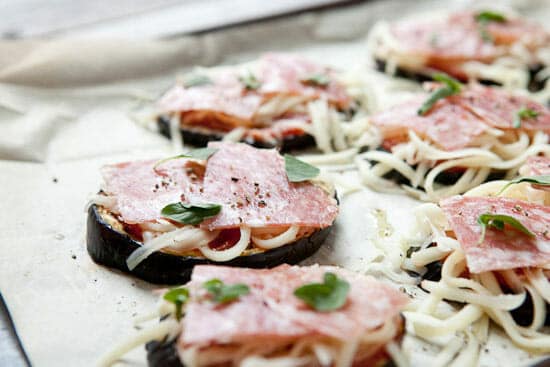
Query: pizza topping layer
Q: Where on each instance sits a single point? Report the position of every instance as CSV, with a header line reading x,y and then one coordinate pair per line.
x,y
504,248
250,184
270,309
235,96
456,121
444,44
253,187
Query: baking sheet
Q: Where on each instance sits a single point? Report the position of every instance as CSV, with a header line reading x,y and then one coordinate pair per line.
x,y
66,108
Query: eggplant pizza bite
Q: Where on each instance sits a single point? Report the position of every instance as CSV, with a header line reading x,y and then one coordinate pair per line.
x,y
229,203
484,45
447,142
286,316
493,245
277,101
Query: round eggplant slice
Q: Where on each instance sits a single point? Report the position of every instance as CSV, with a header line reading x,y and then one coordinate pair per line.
x,y
163,354
110,247
535,84
201,137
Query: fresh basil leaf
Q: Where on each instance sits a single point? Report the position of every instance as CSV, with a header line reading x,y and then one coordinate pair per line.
x,y
201,154
450,87
498,221
190,213
543,180
177,296
320,80
250,81
327,296
490,16
195,80
483,19
298,171
224,293
522,114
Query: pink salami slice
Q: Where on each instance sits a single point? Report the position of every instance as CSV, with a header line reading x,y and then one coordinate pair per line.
x,y
251,185
278,74
271,310
537,166
499,108
254,190
142,192
501,250
448,43
439,125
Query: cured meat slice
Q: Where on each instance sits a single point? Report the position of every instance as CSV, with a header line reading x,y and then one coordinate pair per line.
x,y
251,185
501,249
271,311
500,109
226,97
141,192
289,74
254,190
447,43
439,125
537,166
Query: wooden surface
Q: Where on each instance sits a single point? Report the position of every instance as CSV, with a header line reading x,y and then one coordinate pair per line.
x,y
122,19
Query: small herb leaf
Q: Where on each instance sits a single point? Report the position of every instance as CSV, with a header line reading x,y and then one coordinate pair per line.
x,y
224,293
177,296
498,221
490,16
195,80
320,80
250,81
451,86
522,114
201,154
543,180
190,213
298,171
327,296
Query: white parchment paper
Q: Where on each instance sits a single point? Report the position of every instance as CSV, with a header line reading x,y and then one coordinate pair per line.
x,y
66,109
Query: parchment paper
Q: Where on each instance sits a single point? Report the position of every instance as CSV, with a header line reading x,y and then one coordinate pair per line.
x,y
65,110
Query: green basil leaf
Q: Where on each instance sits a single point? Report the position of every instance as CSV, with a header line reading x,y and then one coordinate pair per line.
x,y
490,16
498,221
298,171
250,81
320,80
451,86
223,293
190,213
522,114
543,180
194,80
327,296
201,154
177,296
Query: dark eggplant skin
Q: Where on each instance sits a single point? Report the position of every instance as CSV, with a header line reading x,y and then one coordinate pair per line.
x,y
533,86
201,138
163,354
110,247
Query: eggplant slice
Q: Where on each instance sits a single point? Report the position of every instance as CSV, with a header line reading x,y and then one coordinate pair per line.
x,y
163,353
201,137
534,85
110,247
